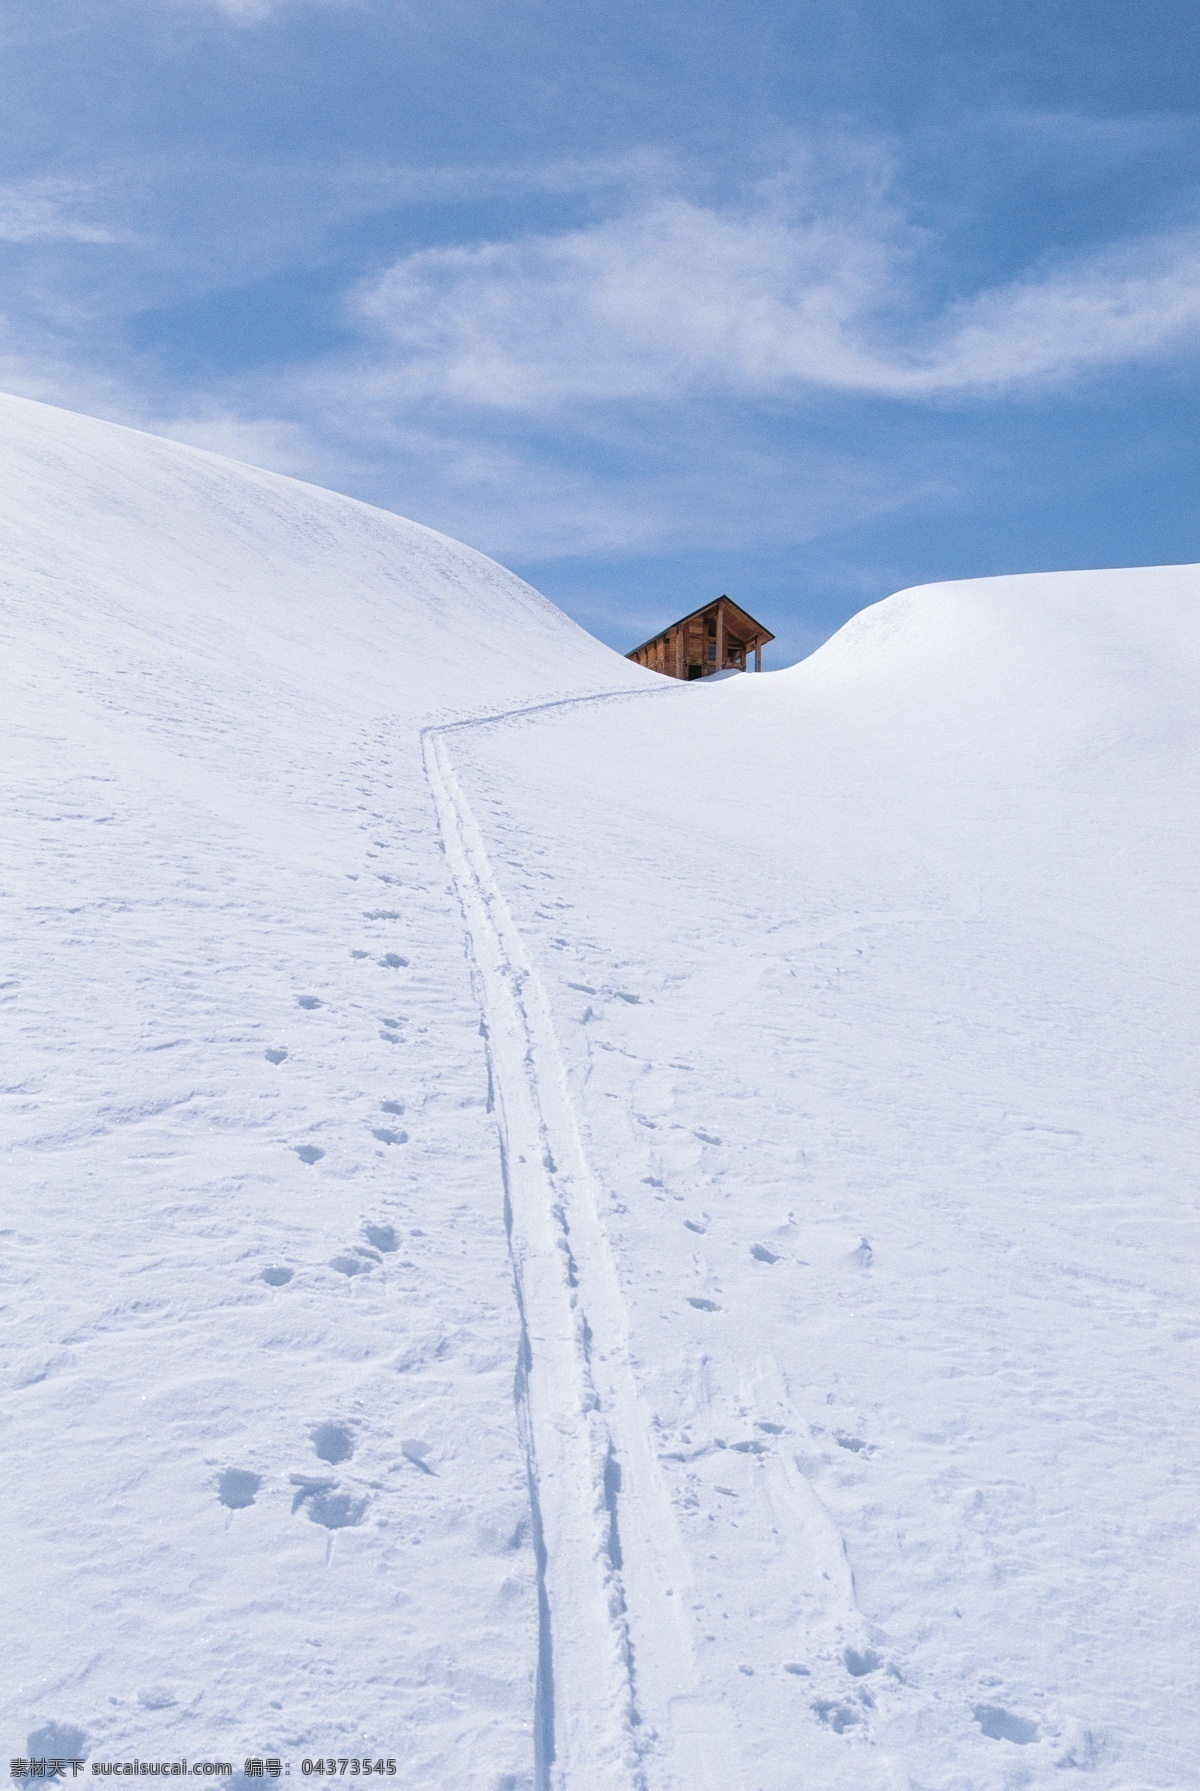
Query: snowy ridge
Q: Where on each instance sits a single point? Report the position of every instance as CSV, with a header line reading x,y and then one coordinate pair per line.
x,y
617,1704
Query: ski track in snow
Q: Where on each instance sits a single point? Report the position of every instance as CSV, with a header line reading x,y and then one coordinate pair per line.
x,y
617,1697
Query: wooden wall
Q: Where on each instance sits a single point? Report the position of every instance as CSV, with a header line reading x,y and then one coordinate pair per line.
x,y
689,643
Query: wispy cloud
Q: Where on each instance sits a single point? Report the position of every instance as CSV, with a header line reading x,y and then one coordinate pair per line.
x,y
544,395
284,446
251,12
674,298
53,208
1137,301
245,12
237,12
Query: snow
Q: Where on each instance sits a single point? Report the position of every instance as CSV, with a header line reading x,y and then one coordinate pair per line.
x,y
573,1230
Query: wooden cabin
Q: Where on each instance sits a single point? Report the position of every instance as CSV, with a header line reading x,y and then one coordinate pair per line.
x,y
718,638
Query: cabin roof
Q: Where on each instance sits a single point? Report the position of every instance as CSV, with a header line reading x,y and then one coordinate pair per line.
x,y
753,628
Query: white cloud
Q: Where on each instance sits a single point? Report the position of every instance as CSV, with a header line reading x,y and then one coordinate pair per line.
x,y
48,209
284,446
1131,303
545,396
247,12
674,298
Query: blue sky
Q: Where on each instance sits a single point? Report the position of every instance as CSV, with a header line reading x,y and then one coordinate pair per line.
x,y
801,302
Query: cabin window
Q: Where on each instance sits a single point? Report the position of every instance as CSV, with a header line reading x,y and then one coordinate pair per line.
x,y
695,671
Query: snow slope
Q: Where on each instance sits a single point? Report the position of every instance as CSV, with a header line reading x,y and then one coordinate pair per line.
x,y
784,1081
220,846
876,987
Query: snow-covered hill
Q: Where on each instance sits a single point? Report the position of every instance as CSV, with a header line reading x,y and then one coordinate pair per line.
x,y
786,1082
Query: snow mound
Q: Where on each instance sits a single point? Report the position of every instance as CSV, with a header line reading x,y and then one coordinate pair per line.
x,y
876,983
570,1230
232,961
120,546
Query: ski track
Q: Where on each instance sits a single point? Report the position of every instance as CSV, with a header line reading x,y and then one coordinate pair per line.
x,y
617,1704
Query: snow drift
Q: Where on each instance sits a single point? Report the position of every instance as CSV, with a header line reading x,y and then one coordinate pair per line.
x,y
837,1030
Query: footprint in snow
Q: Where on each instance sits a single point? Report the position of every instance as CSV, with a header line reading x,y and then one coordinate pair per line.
x,y
1001,1725
699,1226
391,960
307,1001
835,1715
381,914
386,1135
394,1107
859,1663
332,1442
276,1054
702,1305
237,1487
308,1484
157,1697
58,1741
383,1237
309,1153
277,1277
327,1506
760,1253
353,1264
864,1256
336,1510
416,1451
